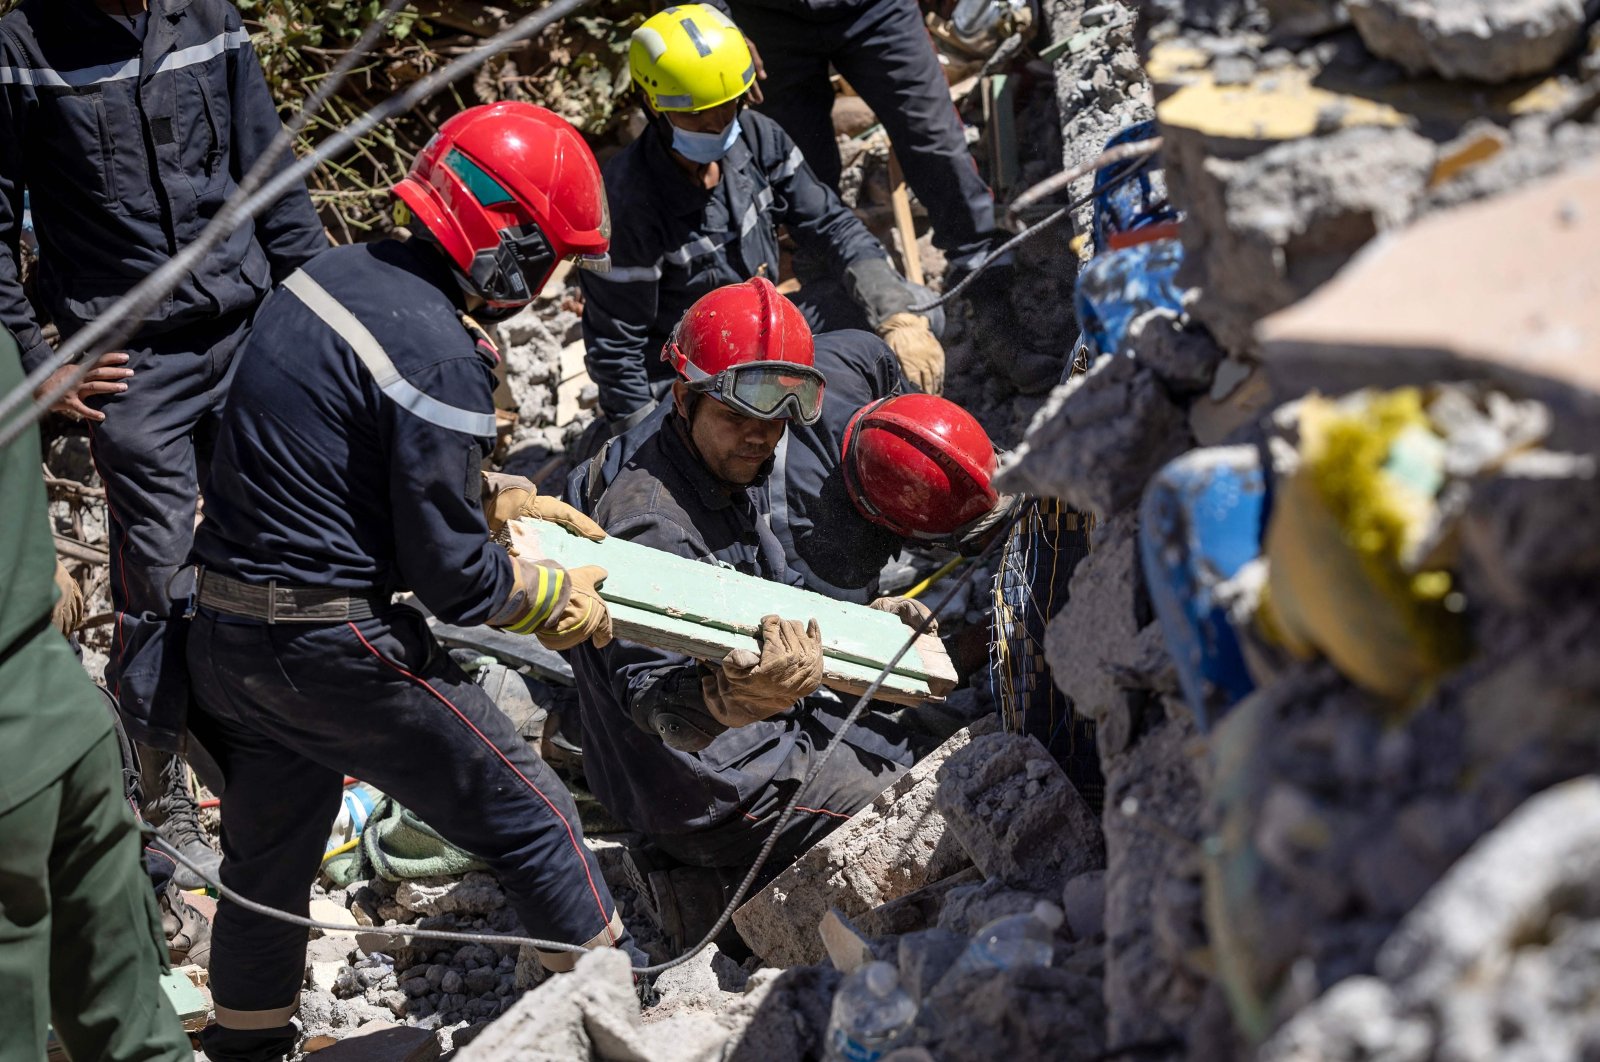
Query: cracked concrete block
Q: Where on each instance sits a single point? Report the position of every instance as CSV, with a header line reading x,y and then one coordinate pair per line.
x,y
474,893
1099,439
591,1012
1479,40
1264,231
1094,635
1019,818
890,848
1185,359
1036,1012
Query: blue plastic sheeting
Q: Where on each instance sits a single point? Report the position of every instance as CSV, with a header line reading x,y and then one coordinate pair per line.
x,y
1201,521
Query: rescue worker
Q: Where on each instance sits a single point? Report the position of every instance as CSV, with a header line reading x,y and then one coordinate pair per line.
x,y
347,468
880,470
128,124
699,196
701,758
77,915
882,48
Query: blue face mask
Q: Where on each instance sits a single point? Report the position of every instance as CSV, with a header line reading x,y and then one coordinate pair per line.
x,y
705,148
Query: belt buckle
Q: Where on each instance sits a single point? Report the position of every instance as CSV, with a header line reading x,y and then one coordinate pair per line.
x,y
272,601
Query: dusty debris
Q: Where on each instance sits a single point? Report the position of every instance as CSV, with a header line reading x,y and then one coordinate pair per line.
x,y
1484,40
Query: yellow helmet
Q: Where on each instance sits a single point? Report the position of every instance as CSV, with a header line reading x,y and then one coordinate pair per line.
x,y
690,57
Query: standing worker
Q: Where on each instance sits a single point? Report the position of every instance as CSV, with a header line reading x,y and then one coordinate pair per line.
x,y
79,931
129,124
883,50
699,196
347,468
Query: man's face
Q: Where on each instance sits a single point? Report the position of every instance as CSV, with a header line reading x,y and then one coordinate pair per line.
x,y
733,446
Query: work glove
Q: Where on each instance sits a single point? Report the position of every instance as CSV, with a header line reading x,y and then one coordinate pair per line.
x,y
507,498
907,610
749,688
67,613
559,606
917,349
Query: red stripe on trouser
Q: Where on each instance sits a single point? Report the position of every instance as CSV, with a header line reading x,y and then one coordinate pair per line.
x,y
814,811
594,890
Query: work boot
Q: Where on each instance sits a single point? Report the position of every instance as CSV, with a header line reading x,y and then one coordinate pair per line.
x,y
187,930
170,806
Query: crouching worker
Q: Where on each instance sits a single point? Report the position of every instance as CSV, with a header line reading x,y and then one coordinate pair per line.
x,y
700,758
348,468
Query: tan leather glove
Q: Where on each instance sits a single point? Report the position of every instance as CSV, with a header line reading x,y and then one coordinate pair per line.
x,y
908,610
560,607
507,498
584,618
918,350
67,613
748,688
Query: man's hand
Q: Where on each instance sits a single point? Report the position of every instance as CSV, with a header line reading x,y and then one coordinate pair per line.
x,y
917,349
559,606
749,688
754,92
909,611
106,378
584,617
507,498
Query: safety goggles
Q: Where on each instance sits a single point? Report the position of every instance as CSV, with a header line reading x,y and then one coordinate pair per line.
x,y
515,269
765,390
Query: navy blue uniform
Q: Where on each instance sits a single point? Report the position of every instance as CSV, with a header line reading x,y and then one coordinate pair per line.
x,y
331,475
128,149
674,241
882,48
827,543
715,807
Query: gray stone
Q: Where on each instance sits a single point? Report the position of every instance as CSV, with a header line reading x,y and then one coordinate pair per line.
x,y
1083,901
893,847
451,982
1480,40
1025,1013
481,981
1099,439
1356,1019
1185,358
926,956
590,1012
1036,844
1510,883
475,893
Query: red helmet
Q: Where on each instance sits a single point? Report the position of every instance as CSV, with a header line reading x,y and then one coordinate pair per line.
x,y
750,348
509,190
918,465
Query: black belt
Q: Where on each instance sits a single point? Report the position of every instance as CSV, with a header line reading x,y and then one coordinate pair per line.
x,y
273,602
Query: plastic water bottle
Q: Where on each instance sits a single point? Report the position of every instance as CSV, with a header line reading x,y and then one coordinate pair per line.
x,y
1014,941
871,1015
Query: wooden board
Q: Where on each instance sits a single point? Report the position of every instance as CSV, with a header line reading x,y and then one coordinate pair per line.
x,y
706,612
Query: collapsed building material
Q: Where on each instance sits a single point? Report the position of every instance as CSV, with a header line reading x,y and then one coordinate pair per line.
x,y
1484,40
707,611
1512,294
891,848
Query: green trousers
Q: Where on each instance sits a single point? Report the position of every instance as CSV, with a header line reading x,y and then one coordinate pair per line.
x,y
80,940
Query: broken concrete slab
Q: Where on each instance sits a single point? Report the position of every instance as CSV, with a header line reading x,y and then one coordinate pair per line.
x,y
1480,40
1098,439
325,910
1019,818
1522,312
848,948
591,1012
475,893
890,848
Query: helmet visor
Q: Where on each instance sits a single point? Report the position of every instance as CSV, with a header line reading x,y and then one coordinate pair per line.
x,y
768,390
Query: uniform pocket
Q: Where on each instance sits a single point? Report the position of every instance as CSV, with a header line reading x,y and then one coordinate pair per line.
x,y
79,152
202,129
